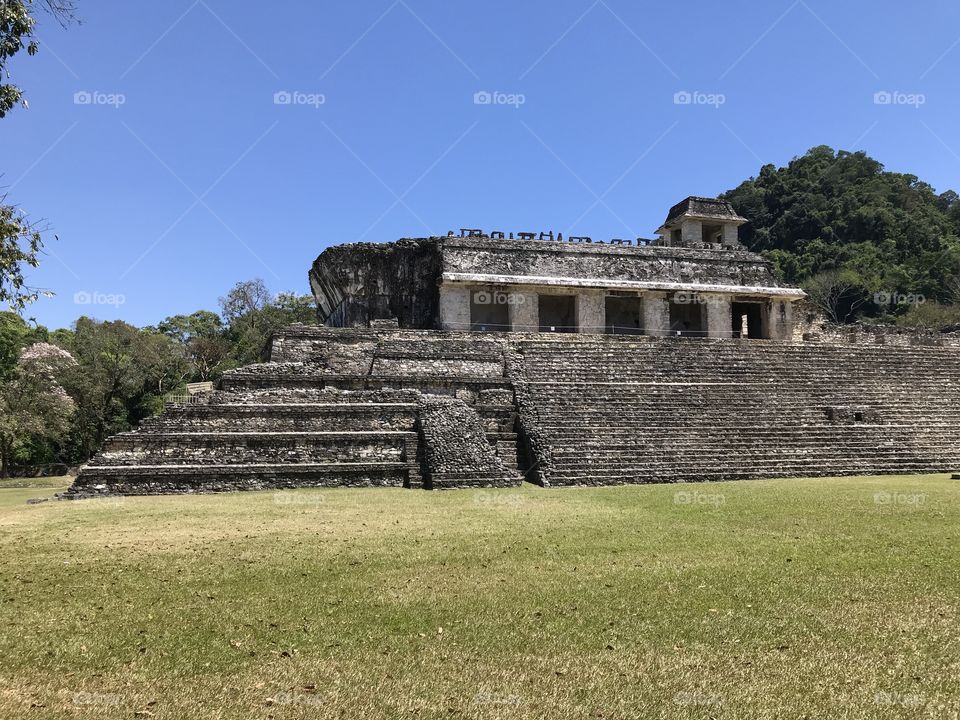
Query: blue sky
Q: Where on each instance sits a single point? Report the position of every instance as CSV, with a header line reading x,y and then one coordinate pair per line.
x,y
157,147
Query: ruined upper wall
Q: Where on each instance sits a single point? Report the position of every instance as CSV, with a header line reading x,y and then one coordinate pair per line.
x,y
538,259
360,282
357,283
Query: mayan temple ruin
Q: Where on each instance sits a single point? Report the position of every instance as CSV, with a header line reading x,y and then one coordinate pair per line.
x,y
491,358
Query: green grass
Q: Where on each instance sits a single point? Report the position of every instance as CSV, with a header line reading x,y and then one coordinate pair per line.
x,y
57,483
772,599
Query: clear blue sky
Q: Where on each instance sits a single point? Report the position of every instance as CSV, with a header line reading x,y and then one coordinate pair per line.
x,y
199,179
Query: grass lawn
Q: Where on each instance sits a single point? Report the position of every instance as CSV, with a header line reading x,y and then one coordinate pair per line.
x,y
822,598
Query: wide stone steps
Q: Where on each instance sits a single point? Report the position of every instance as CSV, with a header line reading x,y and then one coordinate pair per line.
x,y
200,448
285,417
166,479
652,410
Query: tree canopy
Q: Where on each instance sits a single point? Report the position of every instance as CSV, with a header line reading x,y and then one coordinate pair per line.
x,y
888,237
20,239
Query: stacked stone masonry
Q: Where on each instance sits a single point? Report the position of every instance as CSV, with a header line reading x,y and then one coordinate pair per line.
x,y
432,409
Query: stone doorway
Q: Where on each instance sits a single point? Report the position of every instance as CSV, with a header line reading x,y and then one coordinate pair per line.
x,y
558,313
687,316
747,319
624,315
489,311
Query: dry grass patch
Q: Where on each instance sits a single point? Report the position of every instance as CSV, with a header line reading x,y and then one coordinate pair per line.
x,y
831,597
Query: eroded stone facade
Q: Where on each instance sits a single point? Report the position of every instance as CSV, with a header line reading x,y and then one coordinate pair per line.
x,y
695,280
481,361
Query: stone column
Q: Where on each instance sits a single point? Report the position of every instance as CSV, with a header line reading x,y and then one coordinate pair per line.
x,y
656,313
777,319
691,231
787,322
454,308
591,311
718,315
730,235
524,311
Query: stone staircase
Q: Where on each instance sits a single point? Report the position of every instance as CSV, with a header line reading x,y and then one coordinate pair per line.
x,y
413,409
341,412
670,410
263,440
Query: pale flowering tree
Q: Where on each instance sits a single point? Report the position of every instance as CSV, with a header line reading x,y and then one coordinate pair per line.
x,y
32,402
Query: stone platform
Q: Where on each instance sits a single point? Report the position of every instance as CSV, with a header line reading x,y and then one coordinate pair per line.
x,y
411,408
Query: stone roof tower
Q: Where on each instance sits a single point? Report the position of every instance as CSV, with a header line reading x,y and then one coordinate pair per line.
x,y
699,222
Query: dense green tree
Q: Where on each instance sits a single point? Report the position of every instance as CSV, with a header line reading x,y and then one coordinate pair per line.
x,y
111,382
16,334
183,328
34,407
20,246
253,315
20,239
839,214
17,23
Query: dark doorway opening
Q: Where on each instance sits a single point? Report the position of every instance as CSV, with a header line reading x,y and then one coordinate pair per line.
x,y
687,316
711,234
558,313
623,315
747,320
489,311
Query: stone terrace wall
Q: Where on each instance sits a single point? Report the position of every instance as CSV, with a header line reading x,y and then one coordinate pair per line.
x,y
479,256
456,452
601,412
861,334
361,282
357,407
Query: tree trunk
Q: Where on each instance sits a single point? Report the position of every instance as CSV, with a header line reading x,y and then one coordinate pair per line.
x,y
4,461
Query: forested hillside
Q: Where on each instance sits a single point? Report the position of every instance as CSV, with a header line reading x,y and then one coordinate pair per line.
x,y
876,244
